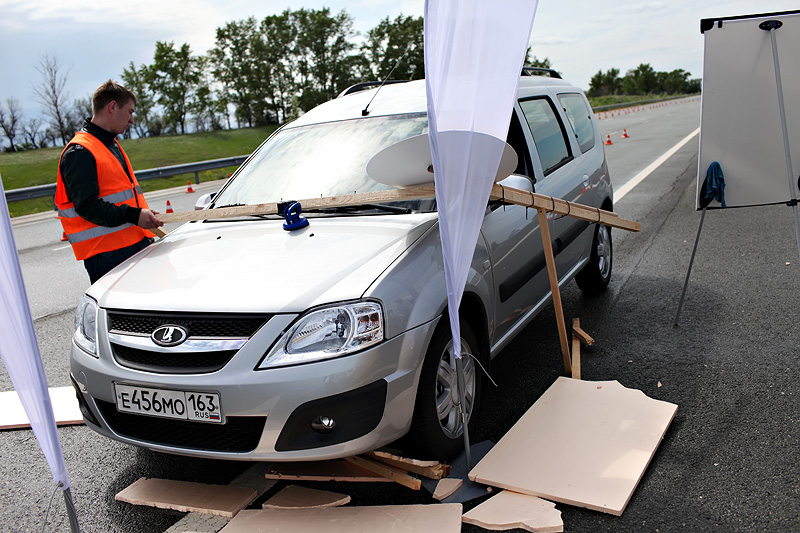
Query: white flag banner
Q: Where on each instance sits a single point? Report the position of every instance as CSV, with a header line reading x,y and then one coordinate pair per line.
x,y
474,54
20,351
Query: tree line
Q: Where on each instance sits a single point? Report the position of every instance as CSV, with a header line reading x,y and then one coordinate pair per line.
x,y
264,72
642,80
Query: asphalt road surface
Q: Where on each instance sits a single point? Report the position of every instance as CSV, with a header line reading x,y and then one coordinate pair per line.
x,y
729,461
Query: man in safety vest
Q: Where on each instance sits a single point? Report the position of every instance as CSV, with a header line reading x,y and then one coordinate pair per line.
x,y
100,204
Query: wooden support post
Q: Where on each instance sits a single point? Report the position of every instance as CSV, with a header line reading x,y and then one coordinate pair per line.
x,y
550,259
576,349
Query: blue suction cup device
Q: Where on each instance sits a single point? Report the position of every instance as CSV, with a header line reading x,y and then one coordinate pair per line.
x,y
293,219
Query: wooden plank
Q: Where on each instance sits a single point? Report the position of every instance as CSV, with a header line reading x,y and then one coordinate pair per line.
x,y
395,474
508,194
584,443
510,510
430,470
576,357
294,497
436,518
447,487
65,409
544,229
332,470
185,496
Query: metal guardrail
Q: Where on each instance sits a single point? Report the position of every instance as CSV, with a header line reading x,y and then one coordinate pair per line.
x,y
640,102
41,191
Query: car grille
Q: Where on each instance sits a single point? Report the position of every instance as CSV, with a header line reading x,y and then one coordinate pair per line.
x,y
197,325
171,363
205,326
239,434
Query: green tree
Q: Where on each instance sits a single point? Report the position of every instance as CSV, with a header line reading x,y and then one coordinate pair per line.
x,y
279,48
675,82
174,77
323,43
394,44
234,65
605,83
640,80
135,79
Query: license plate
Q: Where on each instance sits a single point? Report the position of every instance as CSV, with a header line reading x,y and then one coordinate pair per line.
x,y
184,405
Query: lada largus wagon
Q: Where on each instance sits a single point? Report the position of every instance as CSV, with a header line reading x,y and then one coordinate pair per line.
x,y
239,339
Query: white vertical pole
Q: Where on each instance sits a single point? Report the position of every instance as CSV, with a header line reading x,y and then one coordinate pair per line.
x,y
771,26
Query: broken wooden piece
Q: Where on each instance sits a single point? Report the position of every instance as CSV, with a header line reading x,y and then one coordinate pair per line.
x,y
584,337
428,469
510,510
584,443
294,497
332,470
65,409
186,496
389,472
576,357
436,518
446,487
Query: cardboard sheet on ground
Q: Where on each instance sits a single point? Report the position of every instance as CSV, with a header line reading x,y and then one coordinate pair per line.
x,y
438,518
295,497
584,443
65,409
185,496
509,510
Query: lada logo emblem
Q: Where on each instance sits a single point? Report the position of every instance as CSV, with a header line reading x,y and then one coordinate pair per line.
x,y
169,335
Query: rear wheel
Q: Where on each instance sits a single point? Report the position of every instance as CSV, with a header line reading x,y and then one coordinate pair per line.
x,y
595,276
437,429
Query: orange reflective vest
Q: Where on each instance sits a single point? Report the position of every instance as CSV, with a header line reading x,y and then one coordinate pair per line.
x,y
89,239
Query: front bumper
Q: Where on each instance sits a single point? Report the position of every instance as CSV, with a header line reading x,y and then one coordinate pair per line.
x,y
268,413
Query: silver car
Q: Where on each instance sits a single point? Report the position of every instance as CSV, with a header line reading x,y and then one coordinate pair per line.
x,y
240,339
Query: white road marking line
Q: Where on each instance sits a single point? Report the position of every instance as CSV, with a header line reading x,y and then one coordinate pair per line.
x,y
57,248
640,177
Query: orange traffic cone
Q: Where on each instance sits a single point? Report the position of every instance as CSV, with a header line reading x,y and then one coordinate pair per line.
x,y
608,139
189,187
169,208
63,236
624,133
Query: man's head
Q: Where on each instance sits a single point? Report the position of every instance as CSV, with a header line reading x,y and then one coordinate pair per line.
x,y
113,106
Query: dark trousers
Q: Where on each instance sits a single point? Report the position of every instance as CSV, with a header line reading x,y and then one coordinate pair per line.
x,y
100,264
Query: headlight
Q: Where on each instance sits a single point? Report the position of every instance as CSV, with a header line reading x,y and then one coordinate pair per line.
x,y
86,325
327,333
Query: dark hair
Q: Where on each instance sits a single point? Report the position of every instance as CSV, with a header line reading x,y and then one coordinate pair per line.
x,y
108,92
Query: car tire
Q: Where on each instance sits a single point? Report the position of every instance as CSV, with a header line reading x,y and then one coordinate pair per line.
x,y
595,276
436,429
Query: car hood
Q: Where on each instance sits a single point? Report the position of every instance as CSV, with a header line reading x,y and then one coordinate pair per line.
x,y
255,266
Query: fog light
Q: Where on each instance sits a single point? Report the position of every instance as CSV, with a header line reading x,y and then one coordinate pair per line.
x,y
323,424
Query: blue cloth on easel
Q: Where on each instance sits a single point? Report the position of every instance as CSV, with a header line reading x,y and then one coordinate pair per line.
x,y
714,185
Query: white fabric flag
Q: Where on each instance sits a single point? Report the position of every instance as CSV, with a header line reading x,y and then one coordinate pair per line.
x,y
20,351
474,54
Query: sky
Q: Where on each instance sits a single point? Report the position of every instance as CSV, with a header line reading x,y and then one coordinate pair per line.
x,y
95,40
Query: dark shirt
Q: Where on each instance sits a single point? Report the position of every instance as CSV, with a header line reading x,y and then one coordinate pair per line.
x,y
79,175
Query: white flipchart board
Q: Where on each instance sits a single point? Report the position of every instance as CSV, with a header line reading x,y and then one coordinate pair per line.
x,y
741,123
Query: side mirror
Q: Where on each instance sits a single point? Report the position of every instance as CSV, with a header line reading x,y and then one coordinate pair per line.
x,y
203,201
517,181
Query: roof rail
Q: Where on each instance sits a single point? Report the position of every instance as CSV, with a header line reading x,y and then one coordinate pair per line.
x,y
535,71
364,85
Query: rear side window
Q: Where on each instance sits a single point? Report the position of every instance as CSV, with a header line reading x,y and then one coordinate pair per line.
x,y
579,117
548,133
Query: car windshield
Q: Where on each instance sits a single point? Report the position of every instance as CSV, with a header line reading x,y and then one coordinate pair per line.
x,y
319,160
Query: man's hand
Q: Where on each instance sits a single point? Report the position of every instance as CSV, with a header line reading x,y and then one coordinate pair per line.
x,y
148,220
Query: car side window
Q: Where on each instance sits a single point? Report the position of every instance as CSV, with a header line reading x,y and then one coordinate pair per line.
x,y
548,133
516,139
579,118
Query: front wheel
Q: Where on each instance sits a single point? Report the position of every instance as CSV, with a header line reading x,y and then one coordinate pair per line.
x,y
595,276
437,429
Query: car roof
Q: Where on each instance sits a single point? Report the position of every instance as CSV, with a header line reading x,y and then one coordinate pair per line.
x,y
401,98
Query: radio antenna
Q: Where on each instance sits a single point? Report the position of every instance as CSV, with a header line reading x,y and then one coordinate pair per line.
x,y
365,111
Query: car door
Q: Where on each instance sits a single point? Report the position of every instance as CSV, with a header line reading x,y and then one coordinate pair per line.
x,y
512,237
